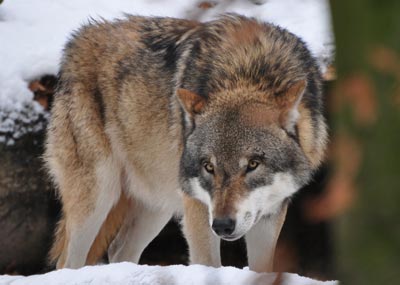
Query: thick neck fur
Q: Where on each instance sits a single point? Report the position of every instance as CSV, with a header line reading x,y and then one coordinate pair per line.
x,y
234,52
236,59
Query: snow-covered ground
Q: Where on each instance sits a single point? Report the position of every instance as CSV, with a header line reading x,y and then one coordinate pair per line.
x,y
128,273
32,35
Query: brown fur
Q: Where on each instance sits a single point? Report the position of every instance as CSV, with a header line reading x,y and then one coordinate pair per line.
x,y
192,102
120,116
196,217
109,229
103,239
226,199
81,143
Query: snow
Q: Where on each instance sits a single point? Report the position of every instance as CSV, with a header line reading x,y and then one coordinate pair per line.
x,y
128,273
32,35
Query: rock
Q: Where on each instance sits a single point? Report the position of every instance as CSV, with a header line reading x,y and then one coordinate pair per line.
x,y
28,208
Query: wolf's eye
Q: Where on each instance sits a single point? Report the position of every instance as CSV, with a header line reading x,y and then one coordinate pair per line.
x,y
253,164
209,167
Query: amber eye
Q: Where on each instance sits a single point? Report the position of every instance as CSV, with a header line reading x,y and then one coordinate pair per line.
x,y
209,167
253,164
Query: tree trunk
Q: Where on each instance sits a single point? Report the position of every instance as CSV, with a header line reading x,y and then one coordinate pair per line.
x,y
366,108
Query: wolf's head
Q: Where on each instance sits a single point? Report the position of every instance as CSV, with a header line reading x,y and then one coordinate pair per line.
x,y
253,123
243,157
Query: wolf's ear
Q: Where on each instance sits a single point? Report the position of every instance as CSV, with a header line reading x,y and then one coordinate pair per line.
x,y
289,105
190,101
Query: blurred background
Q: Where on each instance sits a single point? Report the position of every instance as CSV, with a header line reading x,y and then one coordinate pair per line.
x,y
345,225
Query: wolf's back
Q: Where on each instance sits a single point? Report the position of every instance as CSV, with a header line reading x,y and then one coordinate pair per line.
x,y
101,63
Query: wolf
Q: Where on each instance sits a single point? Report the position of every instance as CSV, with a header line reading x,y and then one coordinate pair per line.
x,y
221,122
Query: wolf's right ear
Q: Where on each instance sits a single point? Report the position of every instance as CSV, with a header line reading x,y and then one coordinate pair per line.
x,y
191,102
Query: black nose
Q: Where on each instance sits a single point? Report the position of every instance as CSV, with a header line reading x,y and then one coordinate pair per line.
x,y
224,226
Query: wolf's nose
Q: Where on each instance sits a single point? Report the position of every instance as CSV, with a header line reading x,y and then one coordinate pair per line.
x,y
224,226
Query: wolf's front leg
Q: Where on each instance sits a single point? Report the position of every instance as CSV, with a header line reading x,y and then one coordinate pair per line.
x,y
139,228
204,246
261,241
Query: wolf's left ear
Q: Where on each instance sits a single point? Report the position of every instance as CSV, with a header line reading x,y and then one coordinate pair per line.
x,y
191,102
289,105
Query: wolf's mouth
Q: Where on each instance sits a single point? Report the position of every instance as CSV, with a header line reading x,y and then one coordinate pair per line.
x,y
230,237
